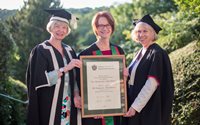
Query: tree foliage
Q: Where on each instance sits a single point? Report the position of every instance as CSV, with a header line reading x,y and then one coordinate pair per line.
x,y
4,14
191,6
28,28
153,7
179,30
5,52
10,112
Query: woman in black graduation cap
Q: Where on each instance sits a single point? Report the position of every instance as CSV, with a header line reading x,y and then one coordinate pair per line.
x,y
150,80
51,75
103,25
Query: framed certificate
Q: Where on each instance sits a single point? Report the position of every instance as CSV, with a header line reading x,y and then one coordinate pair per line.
x,y
103,87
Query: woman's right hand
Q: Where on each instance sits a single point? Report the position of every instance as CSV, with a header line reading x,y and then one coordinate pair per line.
x,y
74,63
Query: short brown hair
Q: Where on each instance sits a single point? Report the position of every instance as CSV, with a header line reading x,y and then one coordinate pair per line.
x,y
105,14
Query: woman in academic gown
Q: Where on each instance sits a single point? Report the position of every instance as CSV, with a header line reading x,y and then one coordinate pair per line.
x,y
51,75
150,81
103,26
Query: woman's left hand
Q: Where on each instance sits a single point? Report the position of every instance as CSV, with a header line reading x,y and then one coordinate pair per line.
x,y
77,101
125,72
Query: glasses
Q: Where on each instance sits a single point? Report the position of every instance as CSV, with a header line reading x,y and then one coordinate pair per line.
x,y
101,26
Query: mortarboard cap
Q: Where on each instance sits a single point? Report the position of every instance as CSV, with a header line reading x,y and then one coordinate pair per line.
x,y
63,15
147,19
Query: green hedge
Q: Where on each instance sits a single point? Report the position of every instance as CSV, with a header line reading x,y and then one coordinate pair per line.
x,y
186,69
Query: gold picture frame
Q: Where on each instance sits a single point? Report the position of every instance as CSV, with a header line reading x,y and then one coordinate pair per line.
x,y
103,86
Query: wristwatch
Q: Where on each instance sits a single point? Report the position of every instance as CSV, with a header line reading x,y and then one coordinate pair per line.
x,y
62,70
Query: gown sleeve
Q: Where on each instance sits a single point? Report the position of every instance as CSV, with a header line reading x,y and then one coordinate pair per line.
x,y
35,76
52,77
145,94
161,70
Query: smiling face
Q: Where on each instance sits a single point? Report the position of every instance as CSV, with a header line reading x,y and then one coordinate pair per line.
x,y
104,29
59,30
103,24
144,34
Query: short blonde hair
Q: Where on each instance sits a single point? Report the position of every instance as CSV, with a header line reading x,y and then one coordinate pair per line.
x,y
51,24
134,32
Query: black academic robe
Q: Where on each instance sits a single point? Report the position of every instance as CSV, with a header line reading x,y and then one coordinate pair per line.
x,y
45,101
155,63
89,51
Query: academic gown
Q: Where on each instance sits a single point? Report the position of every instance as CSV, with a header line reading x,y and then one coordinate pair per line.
x,y
155,63
45,101
91,50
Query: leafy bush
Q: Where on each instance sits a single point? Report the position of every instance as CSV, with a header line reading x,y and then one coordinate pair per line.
x,y
186,65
